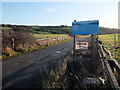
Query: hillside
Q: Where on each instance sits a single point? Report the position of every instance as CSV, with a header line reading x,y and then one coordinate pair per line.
x,y
40,29
63,29
103,30
17,40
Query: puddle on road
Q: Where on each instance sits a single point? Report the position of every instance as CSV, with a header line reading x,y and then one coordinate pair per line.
x,y
58,51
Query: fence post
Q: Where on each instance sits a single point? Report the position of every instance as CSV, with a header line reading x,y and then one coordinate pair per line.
x,y
13,44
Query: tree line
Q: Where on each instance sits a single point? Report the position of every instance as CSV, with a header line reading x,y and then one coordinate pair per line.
x,y
41,29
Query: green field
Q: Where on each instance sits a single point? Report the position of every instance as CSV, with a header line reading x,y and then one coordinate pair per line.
x,y
7,28
49,35
39,29
108,42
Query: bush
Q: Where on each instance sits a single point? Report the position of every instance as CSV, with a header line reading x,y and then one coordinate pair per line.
x,y
16,41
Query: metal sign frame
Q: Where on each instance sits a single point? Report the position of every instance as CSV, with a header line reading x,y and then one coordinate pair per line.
x,y
85,28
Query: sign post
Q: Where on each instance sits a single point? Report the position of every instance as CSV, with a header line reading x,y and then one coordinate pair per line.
x,y
91,55
84,28
74,48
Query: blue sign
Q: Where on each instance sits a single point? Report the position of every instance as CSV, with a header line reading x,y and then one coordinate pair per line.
x,y
85,27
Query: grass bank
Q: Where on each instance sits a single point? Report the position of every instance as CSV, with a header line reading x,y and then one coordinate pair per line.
x,y
108,42
29,50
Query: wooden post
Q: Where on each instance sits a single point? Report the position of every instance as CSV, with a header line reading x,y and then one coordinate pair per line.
x,y
115,44
13,44
57,38
112,64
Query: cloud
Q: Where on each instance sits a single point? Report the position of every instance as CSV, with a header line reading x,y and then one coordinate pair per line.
x,y
50,9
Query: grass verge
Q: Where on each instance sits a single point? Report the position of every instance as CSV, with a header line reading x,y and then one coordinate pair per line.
x,y
29,50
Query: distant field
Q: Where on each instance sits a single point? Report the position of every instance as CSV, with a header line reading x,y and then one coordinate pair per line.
x,y
50,29
43,36
49,35
108,42
5,28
